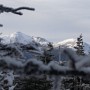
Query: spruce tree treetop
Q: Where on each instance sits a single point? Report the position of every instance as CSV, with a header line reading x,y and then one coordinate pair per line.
x,y
80,47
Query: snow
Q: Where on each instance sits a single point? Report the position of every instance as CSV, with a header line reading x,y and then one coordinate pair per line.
x,y
6,39
20,38
71,43
17,37
86,48
40,40
9,76
12,87
68,42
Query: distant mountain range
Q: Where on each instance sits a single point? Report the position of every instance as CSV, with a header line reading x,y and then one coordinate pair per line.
x,y
38,42
19,37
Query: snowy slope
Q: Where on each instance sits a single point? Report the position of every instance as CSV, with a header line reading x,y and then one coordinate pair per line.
x,y
27,46
71,43
67,42
19,37
40,40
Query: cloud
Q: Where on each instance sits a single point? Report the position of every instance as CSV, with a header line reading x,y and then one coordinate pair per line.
x,y
51,19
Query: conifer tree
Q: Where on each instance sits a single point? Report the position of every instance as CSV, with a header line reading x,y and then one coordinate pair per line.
x,y
80,47
33,83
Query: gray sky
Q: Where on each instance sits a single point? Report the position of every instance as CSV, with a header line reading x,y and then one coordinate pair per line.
x,y
54,20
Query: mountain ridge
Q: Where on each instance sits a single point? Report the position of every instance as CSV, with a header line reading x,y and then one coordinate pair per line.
x,y
71,43
19,37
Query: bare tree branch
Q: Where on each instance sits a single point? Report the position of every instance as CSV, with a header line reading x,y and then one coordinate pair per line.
x,y
1,25
14,10
27,8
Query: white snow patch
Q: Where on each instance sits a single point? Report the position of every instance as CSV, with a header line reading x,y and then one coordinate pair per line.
x,y
17,37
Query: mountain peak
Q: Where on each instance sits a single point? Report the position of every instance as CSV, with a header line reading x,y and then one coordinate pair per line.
x,y
40,40
19,37
17,34
68,42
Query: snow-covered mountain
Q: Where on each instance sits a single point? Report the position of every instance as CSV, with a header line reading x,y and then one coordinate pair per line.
x,y
38,42
71,43
67,42
19,37
22,45
41,41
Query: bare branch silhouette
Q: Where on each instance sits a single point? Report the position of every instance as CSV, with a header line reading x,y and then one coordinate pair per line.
x,y
1,25
27,8
14,10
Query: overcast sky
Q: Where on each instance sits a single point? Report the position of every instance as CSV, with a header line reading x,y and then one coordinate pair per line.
x,y
54,20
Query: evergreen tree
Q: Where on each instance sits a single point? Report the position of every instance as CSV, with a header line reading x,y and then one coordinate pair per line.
x,y
79,48
33,83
